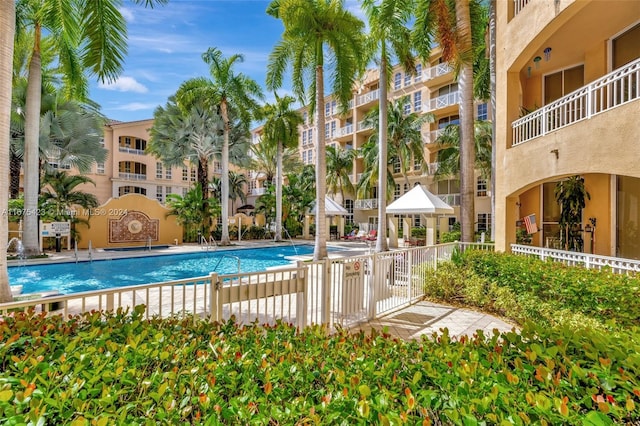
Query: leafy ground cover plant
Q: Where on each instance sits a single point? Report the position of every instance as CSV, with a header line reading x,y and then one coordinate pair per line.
x,y
121,369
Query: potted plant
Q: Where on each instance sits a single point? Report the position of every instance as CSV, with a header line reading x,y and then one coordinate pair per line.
x,y
571,194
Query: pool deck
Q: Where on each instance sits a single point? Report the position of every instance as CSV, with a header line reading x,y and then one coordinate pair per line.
x,y
421,319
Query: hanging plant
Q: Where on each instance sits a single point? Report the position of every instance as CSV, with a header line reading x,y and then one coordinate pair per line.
x,y
571,194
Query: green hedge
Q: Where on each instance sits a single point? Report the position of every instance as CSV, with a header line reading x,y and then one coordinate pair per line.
x,y
121,369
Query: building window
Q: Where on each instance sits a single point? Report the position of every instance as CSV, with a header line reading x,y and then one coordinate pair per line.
x,y
417,101
327,109
481,187
304,157
397,81
396,191
407,108
193,174
561,83
159,194
310,157
100,168
305,117
484,222
417,164
217,167
310,136
406,188
416,221
407,79
185,173
159,172
304,138
168,190
483,112
418,76
326,130
348,205
396,165
333,128
131,190
184,191
167,173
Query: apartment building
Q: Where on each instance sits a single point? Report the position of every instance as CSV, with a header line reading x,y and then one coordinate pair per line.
x,y
430,89
568,102
129,170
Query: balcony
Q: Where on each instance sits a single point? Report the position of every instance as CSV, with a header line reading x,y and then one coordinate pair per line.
x,y
433,135
451,199
363,126
368,97
366,204
443,101
519,5
131,150
436,71
614,89
132,176
258,191
345,131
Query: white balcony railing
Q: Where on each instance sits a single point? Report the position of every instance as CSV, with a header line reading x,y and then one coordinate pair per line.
x,y
363,126
132,176
433,135
614,89
366,204
451,199
443,101
368,97
519,5
432,168
344,131
258,191
131,150
436,71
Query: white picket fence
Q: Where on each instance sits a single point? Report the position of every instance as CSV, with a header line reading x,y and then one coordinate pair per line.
x,y
617,265
336,292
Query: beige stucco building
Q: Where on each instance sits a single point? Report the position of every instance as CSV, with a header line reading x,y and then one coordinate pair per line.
x,y
568,102
431,89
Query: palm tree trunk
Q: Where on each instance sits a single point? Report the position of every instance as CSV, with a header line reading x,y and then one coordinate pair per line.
x,y
278,236
224,180
320,248
14,175
492,79
31,154
467,143
203,180
381,240
7,23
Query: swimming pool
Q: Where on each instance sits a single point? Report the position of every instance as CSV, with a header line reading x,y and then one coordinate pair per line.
x,y
69,278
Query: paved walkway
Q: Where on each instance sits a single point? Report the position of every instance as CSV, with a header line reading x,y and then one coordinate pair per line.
x,y
426,318
423,318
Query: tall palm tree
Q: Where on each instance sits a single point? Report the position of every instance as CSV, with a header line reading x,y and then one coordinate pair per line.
x,y
225,89
370,177
192,212
7,23
388,37
237,184
339,168
281,128
404,136
264,159
457,33
88,35
315,30
448,144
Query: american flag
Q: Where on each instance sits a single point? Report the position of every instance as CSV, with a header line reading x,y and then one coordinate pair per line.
x,y
530,223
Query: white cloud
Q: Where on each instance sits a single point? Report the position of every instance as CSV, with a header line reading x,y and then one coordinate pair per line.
x,y
127,14
124,84
136,106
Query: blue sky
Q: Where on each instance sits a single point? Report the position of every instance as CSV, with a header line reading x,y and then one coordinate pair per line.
x,y
166,46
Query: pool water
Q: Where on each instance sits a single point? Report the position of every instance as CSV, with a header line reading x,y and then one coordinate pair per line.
x,y
69,278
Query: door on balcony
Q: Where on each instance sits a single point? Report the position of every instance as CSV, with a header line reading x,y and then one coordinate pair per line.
x,y
563,82
626,49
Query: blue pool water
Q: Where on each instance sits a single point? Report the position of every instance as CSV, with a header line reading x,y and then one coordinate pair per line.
x,y
69,278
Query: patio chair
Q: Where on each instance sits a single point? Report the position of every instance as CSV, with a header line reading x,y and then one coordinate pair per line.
x,y
372,236
351,235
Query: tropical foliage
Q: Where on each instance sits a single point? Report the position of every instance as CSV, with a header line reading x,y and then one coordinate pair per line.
x,y
315,32
448,156
339,168
192,212
225,90
571,194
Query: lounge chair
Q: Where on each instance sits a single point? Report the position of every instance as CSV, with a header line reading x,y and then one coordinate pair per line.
x,y
372,236
351,235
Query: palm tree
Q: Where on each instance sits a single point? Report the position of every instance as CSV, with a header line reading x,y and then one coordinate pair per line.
x,y
404,137
264,159
191,211
7,23
237,184
339,168
571,195
60,195
88,35
436,18
314,29
388,37
281,128
370,177
448,155
225,89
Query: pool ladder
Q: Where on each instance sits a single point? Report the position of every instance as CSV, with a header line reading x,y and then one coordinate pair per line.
x,y
208,244
227,255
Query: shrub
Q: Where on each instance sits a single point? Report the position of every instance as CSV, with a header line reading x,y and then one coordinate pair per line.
x,y
449,237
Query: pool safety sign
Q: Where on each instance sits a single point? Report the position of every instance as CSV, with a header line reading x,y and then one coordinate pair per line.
x,y
55,229
353,287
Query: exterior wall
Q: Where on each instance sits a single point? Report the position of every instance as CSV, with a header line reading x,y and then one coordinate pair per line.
x,y
133,234
598,148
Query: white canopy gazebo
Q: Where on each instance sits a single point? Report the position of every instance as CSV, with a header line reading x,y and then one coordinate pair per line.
x,y
331,209
419,201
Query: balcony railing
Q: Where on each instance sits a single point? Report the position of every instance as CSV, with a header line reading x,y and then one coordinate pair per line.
x,y
258,191
436,71
131,150
433,135
368,97
443,101
451,199
519,5
363,126
614,89
132,176
344,131
366,204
